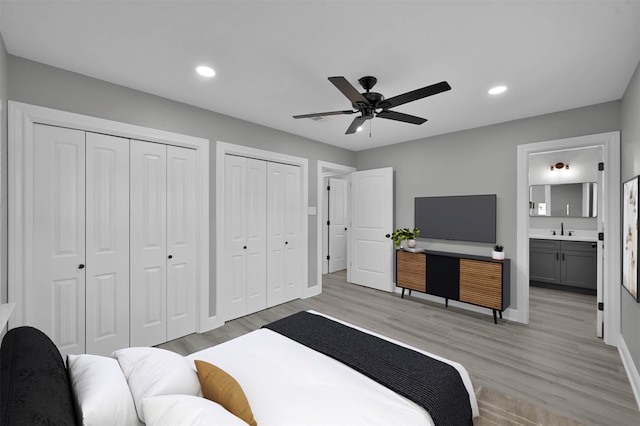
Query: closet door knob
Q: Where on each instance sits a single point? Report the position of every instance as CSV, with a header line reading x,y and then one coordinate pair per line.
x,y
81,266
286,242
170,256
388,235
245,247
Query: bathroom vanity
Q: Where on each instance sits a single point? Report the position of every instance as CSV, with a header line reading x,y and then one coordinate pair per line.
x,y
563,262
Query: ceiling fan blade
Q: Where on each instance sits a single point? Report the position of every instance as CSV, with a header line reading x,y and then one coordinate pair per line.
x,y
349,91
414,95
399,116
357,122
322,114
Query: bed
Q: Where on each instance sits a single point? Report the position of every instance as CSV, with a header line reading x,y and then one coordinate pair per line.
x,y
282,380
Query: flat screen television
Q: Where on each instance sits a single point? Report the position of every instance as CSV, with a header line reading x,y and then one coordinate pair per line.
x,y
460,218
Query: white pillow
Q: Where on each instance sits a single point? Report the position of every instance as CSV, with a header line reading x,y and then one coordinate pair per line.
x,y
154,371
101,392
169,410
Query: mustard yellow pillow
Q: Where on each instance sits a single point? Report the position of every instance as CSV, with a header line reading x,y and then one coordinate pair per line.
x,y
219,386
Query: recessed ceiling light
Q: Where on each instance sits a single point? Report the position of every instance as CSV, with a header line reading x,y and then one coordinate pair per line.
x,y
497,90
205,71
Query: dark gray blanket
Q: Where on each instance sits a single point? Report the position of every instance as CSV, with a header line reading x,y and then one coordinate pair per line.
x,y
430,383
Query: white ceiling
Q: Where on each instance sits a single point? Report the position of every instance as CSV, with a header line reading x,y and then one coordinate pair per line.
x,y
273,57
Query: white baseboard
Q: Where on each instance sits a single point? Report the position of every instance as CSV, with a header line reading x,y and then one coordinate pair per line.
x,y
630,368
312,291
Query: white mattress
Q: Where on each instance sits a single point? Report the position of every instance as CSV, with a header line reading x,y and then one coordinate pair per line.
x,y
287,383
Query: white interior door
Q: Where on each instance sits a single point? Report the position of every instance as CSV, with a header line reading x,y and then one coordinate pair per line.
x,y
181,242
57,301
337,224
148,221
371,222
256,235
107,243
235,237
292,229
275,234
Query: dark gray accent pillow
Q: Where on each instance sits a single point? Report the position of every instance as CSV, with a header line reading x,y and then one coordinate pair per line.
x,y
34,385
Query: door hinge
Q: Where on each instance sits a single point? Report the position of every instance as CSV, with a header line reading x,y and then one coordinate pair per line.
x,y
600,236
328,257
328,222
600,306
600,166
328,188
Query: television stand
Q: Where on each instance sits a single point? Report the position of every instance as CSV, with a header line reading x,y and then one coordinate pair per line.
x,y
477,280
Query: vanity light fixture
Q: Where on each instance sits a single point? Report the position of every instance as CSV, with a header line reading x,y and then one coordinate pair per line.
x,y
497,90
205,71
559,166
359,129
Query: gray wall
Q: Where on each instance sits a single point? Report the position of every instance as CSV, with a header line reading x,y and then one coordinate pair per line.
x,y
39,84
630,167
3,170
479,161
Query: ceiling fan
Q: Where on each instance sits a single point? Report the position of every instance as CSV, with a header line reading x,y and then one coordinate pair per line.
x,y
371,104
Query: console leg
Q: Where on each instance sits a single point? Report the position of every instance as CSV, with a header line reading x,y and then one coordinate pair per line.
x,y
495,320
500,312
402,297
409,292
446,303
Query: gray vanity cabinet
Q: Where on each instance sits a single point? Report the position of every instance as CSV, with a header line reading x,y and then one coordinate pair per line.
x,y
570,263
544,261
579,264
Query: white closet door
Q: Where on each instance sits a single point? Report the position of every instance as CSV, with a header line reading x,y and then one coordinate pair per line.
x,y
276,234
292,228
107,243
256,234
181,242
56,303
235,237
148,224
337,225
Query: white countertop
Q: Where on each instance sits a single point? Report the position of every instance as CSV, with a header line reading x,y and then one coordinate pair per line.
x,y
576,235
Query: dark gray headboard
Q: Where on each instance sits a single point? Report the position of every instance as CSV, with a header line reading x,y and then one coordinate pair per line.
x,y
34,385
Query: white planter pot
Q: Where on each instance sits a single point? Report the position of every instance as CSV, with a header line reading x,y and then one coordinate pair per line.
x,y
497,255
411,243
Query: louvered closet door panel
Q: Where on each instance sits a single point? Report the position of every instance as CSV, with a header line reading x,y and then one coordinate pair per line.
x,y
256,235
235,237
275,234
181,242
56,303
148,223
107,243
292,225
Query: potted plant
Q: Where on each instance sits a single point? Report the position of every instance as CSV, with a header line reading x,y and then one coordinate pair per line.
x,y
497,253
410,235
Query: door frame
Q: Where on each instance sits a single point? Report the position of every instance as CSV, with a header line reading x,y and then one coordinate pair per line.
x,y
21,119
327,169
611,215
224,148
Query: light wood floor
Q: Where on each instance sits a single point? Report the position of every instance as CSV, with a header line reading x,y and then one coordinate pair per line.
x,y
555,361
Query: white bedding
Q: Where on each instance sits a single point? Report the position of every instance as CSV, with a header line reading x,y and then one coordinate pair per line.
x,y
287,383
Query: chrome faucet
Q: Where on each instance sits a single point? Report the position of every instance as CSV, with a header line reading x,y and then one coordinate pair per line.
x,y
561,228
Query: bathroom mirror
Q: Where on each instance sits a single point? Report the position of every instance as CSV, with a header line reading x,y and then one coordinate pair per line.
x,y
564,200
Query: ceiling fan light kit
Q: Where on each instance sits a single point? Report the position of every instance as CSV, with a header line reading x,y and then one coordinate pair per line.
x,y
372,104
